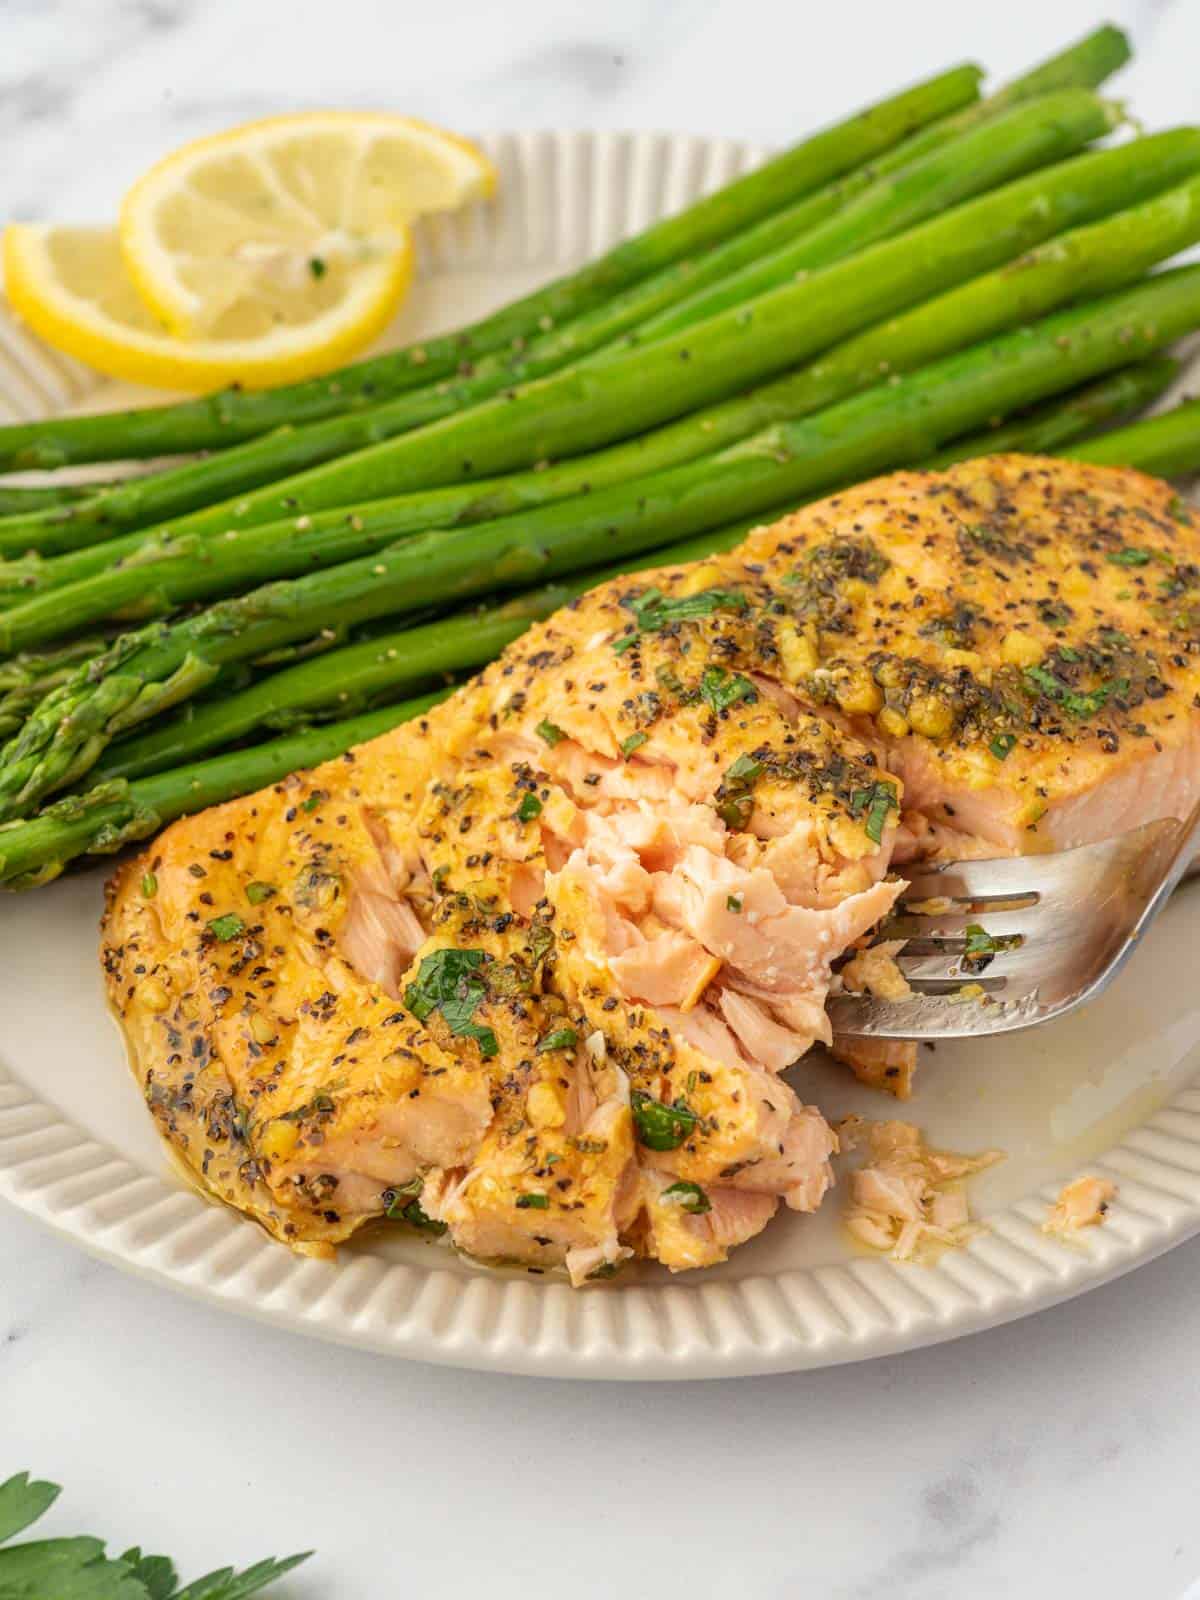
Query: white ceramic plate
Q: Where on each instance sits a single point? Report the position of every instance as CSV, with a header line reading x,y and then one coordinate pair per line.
x,y
1112,1091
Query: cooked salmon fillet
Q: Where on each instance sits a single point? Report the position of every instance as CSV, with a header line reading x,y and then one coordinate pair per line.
x,y
528,970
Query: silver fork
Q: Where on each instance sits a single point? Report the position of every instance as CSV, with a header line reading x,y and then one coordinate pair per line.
x,y
1022,939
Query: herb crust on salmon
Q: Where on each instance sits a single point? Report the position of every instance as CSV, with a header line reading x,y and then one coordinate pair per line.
x,y
528,971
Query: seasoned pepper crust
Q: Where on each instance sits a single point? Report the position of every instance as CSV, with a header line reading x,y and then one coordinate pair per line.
x,y
527,971
1016,637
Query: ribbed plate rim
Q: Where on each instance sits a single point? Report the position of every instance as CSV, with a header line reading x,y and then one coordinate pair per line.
x,y
84,1191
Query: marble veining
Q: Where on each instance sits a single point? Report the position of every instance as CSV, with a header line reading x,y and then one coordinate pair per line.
x,y
1053,1457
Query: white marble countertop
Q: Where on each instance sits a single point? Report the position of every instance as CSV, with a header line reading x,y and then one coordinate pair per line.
x,y
1053,1457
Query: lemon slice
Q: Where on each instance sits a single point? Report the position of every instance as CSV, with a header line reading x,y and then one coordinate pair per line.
x,y
70,285
217,236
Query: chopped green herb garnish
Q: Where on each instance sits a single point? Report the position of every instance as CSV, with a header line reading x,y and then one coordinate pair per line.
x,y
149,886
690,1196
533,1202
735,803
1074,703
720,689
876,801
449,981
317,267
634,742
227,927
1003,745
529,808
256,893
744,770
560,1039
439,876
661,1127
653,611
735,811
548,731
733,902
1129,557
1178,508
402,1209
980,946
314,800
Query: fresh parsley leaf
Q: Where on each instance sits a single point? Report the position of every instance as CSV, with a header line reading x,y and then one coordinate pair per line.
x,y
876,801
230,1585
65,1569
533,1202
22,1501
402,1209
80,1569
1003,745
980,946
744,770
979,941
1074,703
156,1574
560,1039
529,808
735,811
256,893
1128,557
661,1127
735,803
720,689
634,742
222,929
448,981
550,732
690,1196
653,611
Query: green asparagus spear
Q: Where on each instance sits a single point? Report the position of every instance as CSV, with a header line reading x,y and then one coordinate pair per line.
x,y
220,420
1018,216
578,408
158,575
344,682
1047,429
161,667
103,820
27,679
118,811
384,666
972,164
1027,136
1168,445
17,500
225,418
353,678
1087,63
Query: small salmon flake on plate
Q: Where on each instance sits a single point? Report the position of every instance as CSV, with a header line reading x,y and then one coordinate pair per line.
x,y
528,972
1081,1204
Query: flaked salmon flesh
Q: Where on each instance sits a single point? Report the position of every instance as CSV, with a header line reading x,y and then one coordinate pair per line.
x,y
528,971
